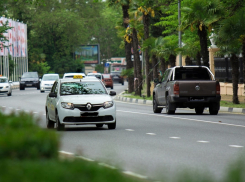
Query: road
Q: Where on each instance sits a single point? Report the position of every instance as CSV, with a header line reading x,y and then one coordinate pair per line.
x,y
146,143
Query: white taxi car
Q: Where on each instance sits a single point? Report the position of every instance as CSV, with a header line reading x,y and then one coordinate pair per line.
x,y
48,81
5,86
80,101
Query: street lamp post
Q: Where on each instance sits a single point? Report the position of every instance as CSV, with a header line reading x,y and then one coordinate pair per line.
x,y
180,41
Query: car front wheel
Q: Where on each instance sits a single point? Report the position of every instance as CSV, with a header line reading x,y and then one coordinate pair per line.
x,y
168,106
59,126
112,126
155,106
49,123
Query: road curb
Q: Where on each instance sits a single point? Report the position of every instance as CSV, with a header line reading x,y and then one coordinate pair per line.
x,y
149,102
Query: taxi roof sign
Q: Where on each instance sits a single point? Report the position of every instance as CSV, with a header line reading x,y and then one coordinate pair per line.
x,y
77,77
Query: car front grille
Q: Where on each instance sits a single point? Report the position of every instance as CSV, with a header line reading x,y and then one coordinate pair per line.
x,y
88,119
82,107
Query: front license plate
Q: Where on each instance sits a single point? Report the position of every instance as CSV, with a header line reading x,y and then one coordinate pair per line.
x,y
89,114
28,85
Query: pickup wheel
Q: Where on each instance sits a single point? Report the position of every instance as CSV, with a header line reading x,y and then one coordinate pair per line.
x,y
155,106
169,105
214,109
199,110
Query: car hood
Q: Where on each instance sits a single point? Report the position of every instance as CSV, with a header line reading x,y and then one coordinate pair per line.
x,y
84,99
47,82
29,79
4,84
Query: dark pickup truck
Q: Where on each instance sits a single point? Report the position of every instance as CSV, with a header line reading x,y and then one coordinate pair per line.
x,y
191,87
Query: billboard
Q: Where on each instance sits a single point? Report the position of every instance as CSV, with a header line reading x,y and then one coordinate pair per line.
x,y
89,54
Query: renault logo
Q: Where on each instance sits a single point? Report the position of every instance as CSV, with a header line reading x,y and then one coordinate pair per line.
x,y
89,106
197,87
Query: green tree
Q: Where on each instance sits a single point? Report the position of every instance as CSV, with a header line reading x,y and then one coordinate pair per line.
x,y
201,15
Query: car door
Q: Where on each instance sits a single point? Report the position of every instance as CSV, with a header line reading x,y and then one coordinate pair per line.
x,y
52,102
162,87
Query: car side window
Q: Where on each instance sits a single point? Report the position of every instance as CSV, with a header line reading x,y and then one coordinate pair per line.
x,y
54,87
165,75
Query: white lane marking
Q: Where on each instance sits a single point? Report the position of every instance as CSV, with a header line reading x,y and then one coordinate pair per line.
x,y
150,133
135,174
64,152
129,129
85,158
201,141
174,117
236,146
174,137
106,165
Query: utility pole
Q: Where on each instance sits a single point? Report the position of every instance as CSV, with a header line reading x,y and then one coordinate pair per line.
x,y
180,41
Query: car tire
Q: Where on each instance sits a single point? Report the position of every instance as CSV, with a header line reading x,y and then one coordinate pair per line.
x,y
38,87
112,87
214,109
122,83
49,123
155,106
169,105
99,125
10,93
199,110
22,88
41,91
112,125
59,126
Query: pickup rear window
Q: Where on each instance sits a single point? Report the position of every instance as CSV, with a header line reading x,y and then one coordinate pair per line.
x,y
192,74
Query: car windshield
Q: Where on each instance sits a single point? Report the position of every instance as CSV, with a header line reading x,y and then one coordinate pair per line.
x,y
82,88
3,80
30,75
50,77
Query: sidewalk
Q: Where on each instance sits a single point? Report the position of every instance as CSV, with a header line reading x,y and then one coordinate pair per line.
x,y
149,102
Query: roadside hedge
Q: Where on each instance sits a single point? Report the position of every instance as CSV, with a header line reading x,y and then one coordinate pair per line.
x,y
22,138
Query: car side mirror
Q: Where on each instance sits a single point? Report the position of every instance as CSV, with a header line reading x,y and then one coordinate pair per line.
x,y
112,93
156,80
52,94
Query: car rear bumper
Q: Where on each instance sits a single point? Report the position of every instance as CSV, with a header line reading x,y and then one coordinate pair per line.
x,y
194,101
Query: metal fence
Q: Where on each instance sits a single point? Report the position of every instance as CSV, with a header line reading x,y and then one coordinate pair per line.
x,y
223,69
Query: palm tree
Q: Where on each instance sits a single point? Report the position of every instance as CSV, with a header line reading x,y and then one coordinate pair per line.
x,y
125,8
201,15
231,40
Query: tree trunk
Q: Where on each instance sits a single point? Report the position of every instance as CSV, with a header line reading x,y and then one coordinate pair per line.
x,y
138,79
128,50
163,65
146,22
154,67
198,57
204,45
188,61
243,61
235,77
172,60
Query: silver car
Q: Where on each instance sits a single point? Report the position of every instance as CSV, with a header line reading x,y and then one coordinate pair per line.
x,y
80,101
5,86
48,81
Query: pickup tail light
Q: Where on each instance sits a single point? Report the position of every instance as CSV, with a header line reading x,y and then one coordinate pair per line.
x,y
217,88
176,89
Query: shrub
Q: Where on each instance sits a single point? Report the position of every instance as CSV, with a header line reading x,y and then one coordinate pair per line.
x,y
22,138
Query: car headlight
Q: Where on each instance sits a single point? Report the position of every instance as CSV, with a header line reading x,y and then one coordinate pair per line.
x,y
108,104
67,105
6,87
